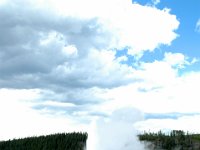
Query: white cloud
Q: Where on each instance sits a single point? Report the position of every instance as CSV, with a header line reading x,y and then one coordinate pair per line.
x,y
156,2
75,44
70,50
160,88
138,27
66,49
178,95
177,60
185,123
2,2
91,70
158,73
19,120
122,59
198,26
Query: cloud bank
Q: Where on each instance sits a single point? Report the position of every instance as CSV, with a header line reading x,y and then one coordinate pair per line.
x,y
44,49
65,53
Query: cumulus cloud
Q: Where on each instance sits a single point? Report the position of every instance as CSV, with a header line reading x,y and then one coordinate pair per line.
x,y
69,54
179,60
160,88
61,46
37,49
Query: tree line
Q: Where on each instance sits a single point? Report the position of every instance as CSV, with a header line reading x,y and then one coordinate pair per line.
x,y
60,141
176,139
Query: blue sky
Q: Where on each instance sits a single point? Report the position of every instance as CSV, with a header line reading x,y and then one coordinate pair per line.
x,y
66,65
188,14
188,41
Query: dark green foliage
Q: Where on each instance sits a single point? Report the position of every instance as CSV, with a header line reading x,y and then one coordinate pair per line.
x,y
64,141
176,139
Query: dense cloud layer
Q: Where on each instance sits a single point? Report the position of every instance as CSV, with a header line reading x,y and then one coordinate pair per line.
x,y
43,49
35,50
68,52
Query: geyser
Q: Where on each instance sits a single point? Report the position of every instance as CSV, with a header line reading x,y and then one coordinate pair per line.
x,y
116,132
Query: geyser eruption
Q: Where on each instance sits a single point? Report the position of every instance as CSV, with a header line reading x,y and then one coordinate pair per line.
x,y
116,132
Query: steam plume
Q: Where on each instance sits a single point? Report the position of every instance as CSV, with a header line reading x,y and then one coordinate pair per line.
x,y
116,132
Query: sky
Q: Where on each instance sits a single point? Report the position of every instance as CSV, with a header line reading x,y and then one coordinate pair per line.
x,y
66,64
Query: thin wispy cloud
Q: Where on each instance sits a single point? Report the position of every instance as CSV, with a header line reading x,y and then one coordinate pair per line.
x,y
156,2
198,26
